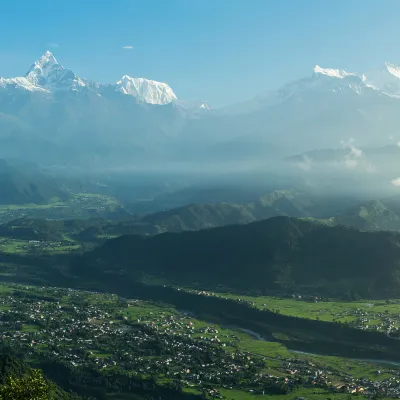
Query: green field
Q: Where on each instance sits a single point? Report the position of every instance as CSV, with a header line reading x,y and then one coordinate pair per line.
x,y
14,246
368,314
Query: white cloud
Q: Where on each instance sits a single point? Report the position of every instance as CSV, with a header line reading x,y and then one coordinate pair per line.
x,y
127,47
350,163
396,182
354,151
306,164
53,45
351,159
370,168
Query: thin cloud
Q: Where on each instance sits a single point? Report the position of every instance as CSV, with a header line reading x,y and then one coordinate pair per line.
x,y
305,164
53,45
127,47
355,158
371,169
352,157
396,182
351,163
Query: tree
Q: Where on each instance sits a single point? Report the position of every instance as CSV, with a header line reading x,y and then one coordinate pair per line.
x,y
29,387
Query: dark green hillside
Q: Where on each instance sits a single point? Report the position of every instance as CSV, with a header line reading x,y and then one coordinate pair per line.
x,y
48,230
275,254
20,372
382,215
199,216
32,229
11,366
23,186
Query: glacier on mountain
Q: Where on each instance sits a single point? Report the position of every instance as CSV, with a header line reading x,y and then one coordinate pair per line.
x,y
146,90
47,75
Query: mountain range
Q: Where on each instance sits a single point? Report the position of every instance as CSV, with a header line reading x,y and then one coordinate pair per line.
x,y
372,215
56,117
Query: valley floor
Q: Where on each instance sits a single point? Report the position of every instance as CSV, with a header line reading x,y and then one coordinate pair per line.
x,y
101,339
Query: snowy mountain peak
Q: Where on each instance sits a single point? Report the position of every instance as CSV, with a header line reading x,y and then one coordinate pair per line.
x,y
386,79
42,67
48,58
393,69
47,73
335,73
146,90
205,105
193,105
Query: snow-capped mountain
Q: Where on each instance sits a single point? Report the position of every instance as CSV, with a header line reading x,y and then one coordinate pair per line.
x,y
320,82
145,90
53,116
47,75
195,106
386,79
318,111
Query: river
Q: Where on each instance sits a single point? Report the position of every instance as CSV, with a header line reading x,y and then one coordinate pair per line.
x,y
257,336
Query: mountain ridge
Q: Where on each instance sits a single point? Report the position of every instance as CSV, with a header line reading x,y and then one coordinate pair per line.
x,y
273,254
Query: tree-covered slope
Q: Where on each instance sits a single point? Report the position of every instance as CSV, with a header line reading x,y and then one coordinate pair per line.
x,y
278,253
378,215
18,381
26,185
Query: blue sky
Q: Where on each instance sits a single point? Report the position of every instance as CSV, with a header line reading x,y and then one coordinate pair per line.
x,y
222,51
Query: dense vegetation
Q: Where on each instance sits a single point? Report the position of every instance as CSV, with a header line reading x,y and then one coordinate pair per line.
x,y
18,381
269,255
27,185
378,215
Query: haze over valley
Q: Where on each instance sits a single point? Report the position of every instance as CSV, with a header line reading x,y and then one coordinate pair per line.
x,y
199,200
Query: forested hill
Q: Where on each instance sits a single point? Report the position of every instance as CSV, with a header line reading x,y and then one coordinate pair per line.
x,y
210,215
27,185
277,253
200,216
27,382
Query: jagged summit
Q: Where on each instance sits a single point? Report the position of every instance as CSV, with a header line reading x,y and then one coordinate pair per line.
x,y
47,75
336,73
42,67
146,90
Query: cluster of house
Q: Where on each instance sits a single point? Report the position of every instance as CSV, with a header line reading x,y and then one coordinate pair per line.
x,y
339,381
100,331
64,325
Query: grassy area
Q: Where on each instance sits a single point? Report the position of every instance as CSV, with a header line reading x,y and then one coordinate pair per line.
x,y
30,328
368,314
106,236
308,394
96,196
79,205
99,354
13,246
